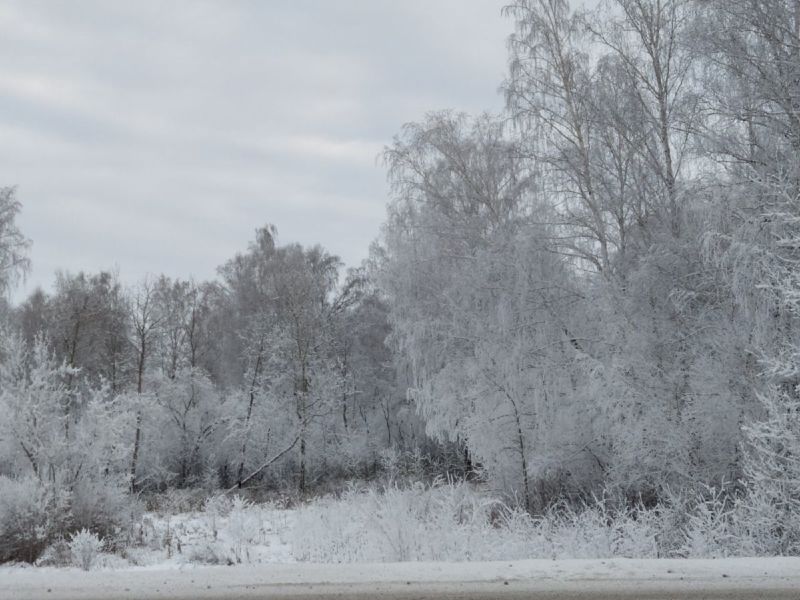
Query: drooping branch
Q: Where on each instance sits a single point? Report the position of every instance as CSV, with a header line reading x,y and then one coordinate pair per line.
x,y
264,465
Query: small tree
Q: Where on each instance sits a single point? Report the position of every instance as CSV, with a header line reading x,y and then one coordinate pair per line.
x,y
84,547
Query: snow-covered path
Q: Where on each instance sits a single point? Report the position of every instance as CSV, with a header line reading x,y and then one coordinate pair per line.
x,y
557,580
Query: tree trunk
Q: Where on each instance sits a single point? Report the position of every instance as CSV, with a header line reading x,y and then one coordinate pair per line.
x,y
252,400
136,444
302,410
523,458
137,438
302,466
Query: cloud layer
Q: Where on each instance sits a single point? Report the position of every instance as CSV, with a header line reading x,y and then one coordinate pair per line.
x,y
155,136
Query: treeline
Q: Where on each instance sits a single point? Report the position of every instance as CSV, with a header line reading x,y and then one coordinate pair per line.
x,y
213,378
274,377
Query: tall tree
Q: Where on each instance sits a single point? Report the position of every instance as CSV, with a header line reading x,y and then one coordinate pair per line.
x,y
144,321
14,246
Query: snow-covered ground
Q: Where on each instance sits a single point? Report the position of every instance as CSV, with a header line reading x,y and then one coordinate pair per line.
x,y
624,575
239,534
227,532
234,549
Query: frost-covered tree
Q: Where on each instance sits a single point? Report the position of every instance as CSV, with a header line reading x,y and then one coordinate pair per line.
x,y
38,403
66,442
144,320
477,302
753,62
287,307
14,246
608,111
189,435
86,320
374,413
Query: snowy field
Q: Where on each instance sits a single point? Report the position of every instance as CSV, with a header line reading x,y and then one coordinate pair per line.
x,y
445,522
226,532
235,549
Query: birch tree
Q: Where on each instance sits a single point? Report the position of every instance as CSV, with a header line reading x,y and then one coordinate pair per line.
x,y
144,320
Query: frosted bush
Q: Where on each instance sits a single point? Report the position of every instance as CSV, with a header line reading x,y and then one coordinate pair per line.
x,y
771,507
440,522
213,553
106,507
582,534
595,531
85,546
57,554
215,509
766,527
637,535
25,528
33,515
458,522
220,505
245,527
390,463
175,501
710,529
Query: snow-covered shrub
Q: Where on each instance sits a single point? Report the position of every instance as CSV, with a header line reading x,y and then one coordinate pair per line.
x,y
245,528
457,522
25,527
57,554
219,504
85,546
105,506
671,517
771,507
215,509
175,501
711,530
580,533
34,515
225,532
440,522
213,553
596,530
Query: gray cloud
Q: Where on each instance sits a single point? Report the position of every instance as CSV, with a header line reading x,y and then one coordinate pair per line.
x,y
157,135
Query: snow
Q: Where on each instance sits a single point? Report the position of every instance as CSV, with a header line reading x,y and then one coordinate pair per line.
x,y
251,581
234,549
242,534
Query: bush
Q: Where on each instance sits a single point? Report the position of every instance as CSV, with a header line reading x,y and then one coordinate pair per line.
x,y
598,530
104,506
711,529
33,515
214,553
771,506
175,501
459,522
84,547
25,526
245,527
57,554
439,522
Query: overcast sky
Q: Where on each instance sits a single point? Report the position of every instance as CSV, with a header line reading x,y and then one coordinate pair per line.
x,y
155,136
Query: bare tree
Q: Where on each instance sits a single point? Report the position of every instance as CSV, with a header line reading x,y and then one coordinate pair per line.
x,y
14,247
649,40
144,321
